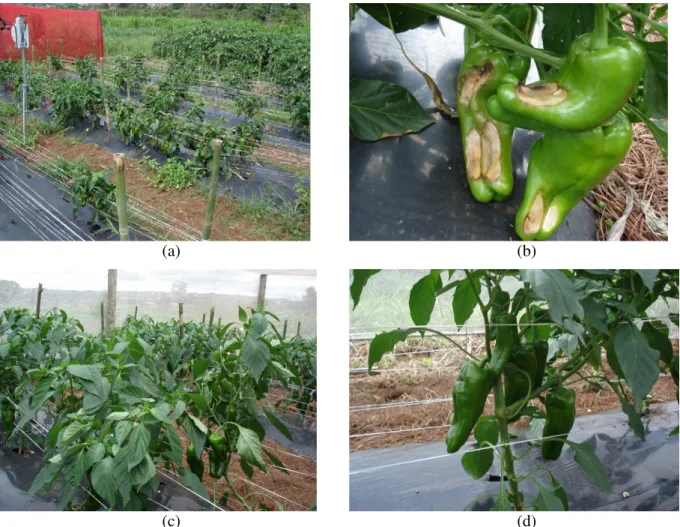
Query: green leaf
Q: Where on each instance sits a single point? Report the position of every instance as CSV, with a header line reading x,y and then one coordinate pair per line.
x,y
199,401
178,411
634,421
130,395
175,444
242,315
45,478
380,109
591,465
89,372
659,130
638,361
403,17
258,325
595,313
41,394
559,492
486,430
161,411
422,298
547,500
121,474
278,425
385,342
656,79
103,480
464,300
477,462
657,340
674,432
191,480
118,416
71,431
76,463
200,367
556,289
563,23
123,429
648,277
95,453
249,447
255,354
359,281
276,461
138,446
143,472
196,431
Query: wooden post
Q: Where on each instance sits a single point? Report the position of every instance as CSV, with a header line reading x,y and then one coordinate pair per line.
x,y
219,321
212,316
200,76
136,312
47,57
121,197
106,104
101,312
261,291
203,321
285,329
181,320
37,307
298,331
61,49
212,196
112,291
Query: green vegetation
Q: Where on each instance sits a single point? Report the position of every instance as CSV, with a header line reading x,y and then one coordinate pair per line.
x,y
120,402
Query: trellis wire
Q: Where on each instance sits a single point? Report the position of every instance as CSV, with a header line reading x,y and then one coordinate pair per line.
x,y
510,444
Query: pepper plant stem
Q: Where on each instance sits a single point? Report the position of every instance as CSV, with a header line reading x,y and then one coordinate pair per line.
x,y
600,35
489,33
507,460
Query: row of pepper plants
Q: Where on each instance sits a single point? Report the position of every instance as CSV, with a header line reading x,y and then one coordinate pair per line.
x,y
540,341
596,78
119,401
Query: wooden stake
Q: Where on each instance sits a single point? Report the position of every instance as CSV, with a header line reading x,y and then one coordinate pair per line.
x,y
121,197
203,321
136,312
37,307
298,331
212,196
101,310
212,316
285,329
181,320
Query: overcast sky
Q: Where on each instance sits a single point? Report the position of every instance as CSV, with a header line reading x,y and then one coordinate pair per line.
x,y
240,282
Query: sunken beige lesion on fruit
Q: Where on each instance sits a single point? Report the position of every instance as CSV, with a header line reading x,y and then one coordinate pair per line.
x,y
473,80
473,154
534,218
482,150
539,95
551,218
491,152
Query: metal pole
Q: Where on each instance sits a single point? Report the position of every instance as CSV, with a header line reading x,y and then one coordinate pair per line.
x,y
24,89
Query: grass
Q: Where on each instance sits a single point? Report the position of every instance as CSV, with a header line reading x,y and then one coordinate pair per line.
x,y
271,208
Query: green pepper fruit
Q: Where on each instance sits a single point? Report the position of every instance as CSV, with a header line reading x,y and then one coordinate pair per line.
x,y
591,87
560,409
541,350
506,341
469,397
563,168
218,443
218,464
195,462
500,305
519,379
487,144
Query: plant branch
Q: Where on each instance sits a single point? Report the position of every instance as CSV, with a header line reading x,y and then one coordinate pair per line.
x,y
484,310
489,33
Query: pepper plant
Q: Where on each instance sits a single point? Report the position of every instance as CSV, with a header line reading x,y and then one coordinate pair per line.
x,y
596,78
120,402
549,335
